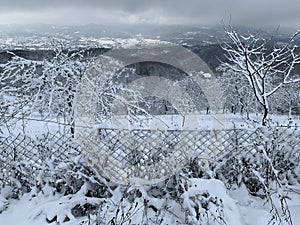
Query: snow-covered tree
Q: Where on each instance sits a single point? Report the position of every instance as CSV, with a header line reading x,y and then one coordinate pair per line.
x,y
286,100
237,93
266,67
46,86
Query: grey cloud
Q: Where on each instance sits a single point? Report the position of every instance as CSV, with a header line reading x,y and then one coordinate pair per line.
x,y
168,11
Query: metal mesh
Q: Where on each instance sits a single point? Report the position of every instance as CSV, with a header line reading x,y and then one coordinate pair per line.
x,y
34,150
138,148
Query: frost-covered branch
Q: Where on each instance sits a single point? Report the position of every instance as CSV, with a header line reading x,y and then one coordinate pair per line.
x,y
267,69
47,86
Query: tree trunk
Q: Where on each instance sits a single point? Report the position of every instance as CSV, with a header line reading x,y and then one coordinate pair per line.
x,y
290,109
265,115
70,110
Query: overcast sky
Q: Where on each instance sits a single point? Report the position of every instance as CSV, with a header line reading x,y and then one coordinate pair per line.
x,y
248,12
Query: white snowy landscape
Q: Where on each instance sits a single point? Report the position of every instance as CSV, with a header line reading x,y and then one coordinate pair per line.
x,y
149,113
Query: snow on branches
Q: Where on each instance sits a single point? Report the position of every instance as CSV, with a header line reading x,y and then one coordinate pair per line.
x,y
46,86
266,67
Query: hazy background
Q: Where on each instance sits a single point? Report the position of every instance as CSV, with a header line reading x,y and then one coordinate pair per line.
x,y
158,12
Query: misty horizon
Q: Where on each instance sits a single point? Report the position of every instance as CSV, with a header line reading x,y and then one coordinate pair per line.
x,y
134,12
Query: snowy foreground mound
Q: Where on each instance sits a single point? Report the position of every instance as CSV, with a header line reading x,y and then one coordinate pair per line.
x,y
204,201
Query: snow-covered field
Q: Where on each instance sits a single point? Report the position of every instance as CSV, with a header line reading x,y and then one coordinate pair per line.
x,y
35,124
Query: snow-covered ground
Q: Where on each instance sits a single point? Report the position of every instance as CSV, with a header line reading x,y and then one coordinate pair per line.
x,y
239,206
36,124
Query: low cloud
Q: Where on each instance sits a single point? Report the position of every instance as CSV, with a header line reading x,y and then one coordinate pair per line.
x,y
254,12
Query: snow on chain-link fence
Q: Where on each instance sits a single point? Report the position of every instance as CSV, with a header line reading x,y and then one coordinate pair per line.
x,y
144,147
35,150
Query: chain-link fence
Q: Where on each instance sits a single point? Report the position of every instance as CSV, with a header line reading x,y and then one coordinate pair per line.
x,y
128,147
35,150
138,148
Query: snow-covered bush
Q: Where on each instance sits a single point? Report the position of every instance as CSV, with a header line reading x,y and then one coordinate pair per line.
x,y
273,154
178,200
268,167
3,203
61,175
